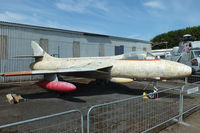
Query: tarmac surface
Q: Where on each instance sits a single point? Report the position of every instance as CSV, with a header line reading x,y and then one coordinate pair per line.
x,y
40,102
191,125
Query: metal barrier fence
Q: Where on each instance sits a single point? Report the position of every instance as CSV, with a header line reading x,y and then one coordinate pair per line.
x,y
135,114
190,96
139,114
194,78
64,122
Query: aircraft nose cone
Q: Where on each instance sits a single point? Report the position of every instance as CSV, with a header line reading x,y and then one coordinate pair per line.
x,y
185,70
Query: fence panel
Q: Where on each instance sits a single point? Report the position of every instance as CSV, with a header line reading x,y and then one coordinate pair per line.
x,y
64,122
194,78
191,97
135,114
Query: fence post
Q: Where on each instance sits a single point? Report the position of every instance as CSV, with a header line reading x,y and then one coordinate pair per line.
x,y
88,119
181,105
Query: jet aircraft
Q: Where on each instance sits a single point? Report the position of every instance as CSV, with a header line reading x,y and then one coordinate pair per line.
x,y
121,68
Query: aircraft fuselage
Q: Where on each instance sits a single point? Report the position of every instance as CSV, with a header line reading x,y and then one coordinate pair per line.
x,y
149,69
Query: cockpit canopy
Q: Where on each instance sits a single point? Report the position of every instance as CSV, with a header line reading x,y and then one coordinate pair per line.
x,y
139,56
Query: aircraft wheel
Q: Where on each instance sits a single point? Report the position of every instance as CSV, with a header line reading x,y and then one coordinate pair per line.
x,y
152,95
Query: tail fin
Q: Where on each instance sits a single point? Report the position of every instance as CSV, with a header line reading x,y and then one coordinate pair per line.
x,y
38,53
37,50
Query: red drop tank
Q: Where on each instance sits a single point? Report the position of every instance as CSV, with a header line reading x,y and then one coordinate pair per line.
x,y
56,85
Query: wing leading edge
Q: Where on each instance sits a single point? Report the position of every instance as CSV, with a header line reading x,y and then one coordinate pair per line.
x,y
57,71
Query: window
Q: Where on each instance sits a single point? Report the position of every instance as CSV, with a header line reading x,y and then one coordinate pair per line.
x,y
133,48
119,50
101,49
76,49
44,43
144,49
3,47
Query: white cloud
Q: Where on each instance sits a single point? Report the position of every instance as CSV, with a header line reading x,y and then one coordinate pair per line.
x,y
18,18
156,4
101,5
10,16
135,35
81,6
140,36
54,24
71,5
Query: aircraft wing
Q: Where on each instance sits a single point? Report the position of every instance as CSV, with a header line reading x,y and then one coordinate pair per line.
x,y
59,71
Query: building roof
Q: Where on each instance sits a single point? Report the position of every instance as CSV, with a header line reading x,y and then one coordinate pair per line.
x,y
69,31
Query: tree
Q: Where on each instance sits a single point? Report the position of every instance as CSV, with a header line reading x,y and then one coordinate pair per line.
x,y
174,37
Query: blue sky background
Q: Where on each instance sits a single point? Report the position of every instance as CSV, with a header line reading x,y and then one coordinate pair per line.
x,y
139,19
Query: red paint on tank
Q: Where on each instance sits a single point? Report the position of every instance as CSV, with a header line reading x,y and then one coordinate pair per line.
x,y
56,85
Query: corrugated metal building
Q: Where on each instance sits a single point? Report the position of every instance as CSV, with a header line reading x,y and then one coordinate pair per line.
x,y
15,40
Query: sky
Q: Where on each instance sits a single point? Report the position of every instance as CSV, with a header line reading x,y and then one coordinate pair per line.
x,y
138,19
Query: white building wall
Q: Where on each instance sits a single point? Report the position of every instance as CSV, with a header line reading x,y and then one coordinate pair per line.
x,y
60,44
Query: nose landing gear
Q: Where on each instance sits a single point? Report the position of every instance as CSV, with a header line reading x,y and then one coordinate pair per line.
x,y
154,94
